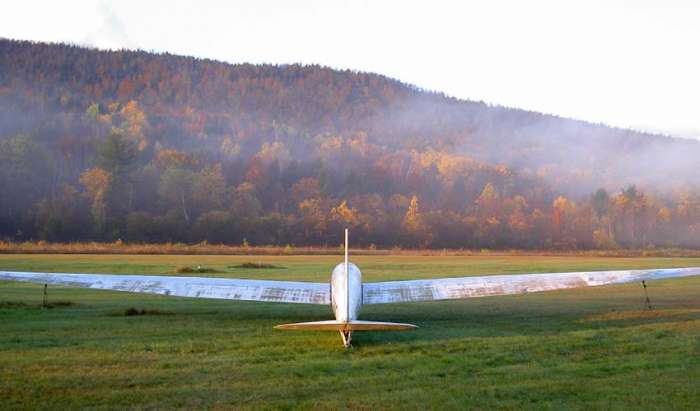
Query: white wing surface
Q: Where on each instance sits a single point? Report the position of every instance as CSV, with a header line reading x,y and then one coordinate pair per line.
x,y
198,287
484,286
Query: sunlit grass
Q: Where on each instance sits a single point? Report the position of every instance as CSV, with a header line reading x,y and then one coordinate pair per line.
x,y
592,348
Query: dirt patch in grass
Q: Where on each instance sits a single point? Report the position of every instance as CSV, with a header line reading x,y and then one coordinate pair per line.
x,y
131,311
198,269
258,265
59,304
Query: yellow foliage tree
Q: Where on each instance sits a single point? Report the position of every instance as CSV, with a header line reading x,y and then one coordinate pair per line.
x,y
563,211
413,227
135,123
97,183
344,215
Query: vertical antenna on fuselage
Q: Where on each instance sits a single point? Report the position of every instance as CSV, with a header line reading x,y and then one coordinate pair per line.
x,y
347,279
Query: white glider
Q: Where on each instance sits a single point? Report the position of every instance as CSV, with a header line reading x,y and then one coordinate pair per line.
x,y
346,293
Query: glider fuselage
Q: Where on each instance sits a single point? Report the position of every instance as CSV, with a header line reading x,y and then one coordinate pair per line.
x,y
346,292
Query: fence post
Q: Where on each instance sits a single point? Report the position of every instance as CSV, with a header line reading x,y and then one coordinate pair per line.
x,y
44,303
647,302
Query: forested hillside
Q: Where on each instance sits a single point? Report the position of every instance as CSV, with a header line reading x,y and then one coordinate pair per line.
x,y
102,145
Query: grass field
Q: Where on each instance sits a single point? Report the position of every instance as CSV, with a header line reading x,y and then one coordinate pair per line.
x,y
592,348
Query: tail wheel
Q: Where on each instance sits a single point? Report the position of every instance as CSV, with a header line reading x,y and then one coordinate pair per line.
x,y
347,338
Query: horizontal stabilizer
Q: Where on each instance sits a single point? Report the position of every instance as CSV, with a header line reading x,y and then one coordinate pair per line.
x,y
333,325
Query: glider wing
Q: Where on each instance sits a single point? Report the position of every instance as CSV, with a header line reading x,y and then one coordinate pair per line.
x,y
197,287
492,285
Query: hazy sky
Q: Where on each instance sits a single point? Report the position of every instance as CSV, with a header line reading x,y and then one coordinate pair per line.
x,y
626,63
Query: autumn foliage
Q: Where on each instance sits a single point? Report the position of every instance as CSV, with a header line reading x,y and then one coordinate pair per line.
x,y
100,146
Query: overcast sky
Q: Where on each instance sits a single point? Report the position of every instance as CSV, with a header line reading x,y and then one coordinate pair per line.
x,y
625,63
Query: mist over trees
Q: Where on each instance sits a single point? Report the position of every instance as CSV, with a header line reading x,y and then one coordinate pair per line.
x,y
98,145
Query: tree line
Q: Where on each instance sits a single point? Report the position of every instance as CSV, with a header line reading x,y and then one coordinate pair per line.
x,y
423,199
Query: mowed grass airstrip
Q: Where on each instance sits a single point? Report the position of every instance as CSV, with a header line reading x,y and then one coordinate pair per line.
x,y
594,348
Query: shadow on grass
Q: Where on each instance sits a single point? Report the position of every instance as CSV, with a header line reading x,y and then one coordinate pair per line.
x,y
431,330
23,305
441,321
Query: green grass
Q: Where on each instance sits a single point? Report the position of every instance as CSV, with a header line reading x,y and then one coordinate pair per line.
x,y
582,349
